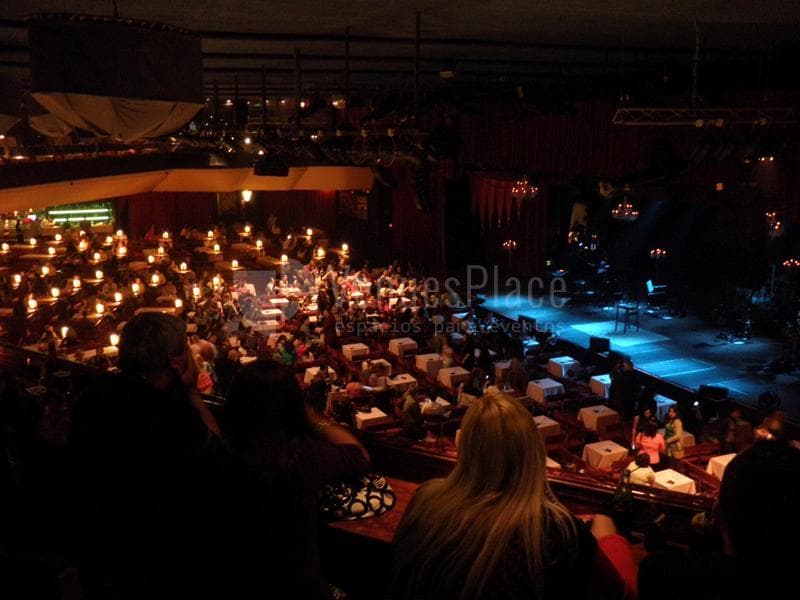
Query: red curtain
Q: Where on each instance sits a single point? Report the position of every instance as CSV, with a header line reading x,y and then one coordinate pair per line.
x,y
301,209
169,210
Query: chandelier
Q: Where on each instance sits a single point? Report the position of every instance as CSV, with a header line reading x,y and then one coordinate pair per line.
x,y
523,189
625,211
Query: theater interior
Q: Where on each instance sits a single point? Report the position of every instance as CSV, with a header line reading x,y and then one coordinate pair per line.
x,y
418,211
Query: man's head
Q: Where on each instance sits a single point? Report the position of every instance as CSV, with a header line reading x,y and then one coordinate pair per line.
x,y
758,503
643,459
152,344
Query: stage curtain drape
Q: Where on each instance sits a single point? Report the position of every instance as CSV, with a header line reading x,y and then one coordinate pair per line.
x,y
301,209
169,210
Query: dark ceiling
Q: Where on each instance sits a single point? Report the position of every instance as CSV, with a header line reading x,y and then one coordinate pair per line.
x,y
644,49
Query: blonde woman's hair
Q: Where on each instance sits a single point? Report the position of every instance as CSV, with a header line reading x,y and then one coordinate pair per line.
x,y
496,495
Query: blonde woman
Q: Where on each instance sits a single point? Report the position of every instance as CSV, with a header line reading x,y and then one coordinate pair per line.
x,y
494,529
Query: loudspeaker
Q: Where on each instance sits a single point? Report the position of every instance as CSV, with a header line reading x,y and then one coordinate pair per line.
x,y
599,344
713,392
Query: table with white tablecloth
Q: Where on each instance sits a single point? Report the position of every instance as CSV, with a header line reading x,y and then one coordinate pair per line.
x,y
601,385
597,418
674,482
429,363
716,465
452,376
539,389
355,351
401,381
402,346
687,438
378,362
602,455
547,426
562,366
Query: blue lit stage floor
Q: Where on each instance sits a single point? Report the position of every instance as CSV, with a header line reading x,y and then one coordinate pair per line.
x,y
684,351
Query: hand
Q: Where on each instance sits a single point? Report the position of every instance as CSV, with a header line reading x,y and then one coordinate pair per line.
x,y
602,526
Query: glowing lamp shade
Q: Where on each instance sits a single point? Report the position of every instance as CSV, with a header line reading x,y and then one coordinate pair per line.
x,y
117,297
64,332
51,251
76,283
247,229
122,251
151,259
58,237
17,278
178,303
165,235
210,234
196,292
98,274
154,279
284,258
120,233
234,264
216,248
96,257
32,304
309,232
55,292
160,250
32,241
100,308
184,267
4,248
109,240
135,288
259,244
345,248
114,339
320,252
247,195
45,271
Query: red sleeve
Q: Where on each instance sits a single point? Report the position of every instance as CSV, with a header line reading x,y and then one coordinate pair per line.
x,y
614,571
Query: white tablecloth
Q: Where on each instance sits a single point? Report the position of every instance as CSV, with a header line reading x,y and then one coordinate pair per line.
x,y
562,366
355,351
716,465
402,346
402,381
596,418
539,389
687,439
547,426
452,376
377,362
602,455
429,363
674,482
266,326
373,418
600,385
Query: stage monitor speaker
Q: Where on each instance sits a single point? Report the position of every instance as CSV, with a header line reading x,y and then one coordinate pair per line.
x,y
713,392
599,344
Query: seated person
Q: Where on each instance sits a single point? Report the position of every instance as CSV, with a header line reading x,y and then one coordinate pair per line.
x,y
641,473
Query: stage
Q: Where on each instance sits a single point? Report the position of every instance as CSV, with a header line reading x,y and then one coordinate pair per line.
x,y
683,350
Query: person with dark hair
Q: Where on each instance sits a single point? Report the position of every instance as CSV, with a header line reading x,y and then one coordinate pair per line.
x,y
649,441
135,438
758,519
641,473
673,434
276,453
646,415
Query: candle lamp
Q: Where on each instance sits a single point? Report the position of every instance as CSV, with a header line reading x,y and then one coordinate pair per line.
x,y
96,257
151,259
55,292
216,249
32,304
32,241
58,238
117,297
17,279
45,271
109,240
284,259
51,251
196,292
76,283
210,234
135,288
113,339
160,251
64,332
120,234
178,303
309,232
345,248
183,267
98,275
165,235
4,248
122,251
259,245
83,245
99,308
234,264
154,279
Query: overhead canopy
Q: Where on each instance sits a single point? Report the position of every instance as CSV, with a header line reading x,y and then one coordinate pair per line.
x,y
112,77
182,180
